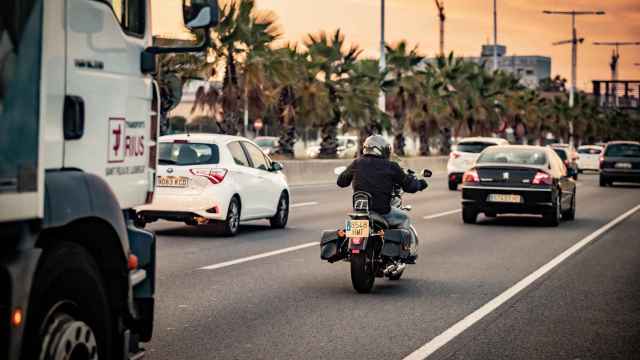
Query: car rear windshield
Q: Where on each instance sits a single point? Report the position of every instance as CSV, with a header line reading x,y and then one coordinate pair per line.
x,y
513,157
589,151
561,153
188,154
623,150
473,147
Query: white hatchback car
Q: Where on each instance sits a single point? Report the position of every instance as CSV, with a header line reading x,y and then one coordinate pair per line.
x,y
589,157
210,178
465,154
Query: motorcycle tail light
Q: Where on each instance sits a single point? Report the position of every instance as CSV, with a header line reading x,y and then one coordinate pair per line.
x,y
542,178
356,241
215,176
471,176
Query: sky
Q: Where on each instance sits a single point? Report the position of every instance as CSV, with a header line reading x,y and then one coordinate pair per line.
x,y
521,27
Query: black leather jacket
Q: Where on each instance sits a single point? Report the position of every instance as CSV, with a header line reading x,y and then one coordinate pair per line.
x,y
377,176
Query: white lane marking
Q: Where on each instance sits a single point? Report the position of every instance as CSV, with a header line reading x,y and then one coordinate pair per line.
x,y
435,216
311,203
259,256
449,334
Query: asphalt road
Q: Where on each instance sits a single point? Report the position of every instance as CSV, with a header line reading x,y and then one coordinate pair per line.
x,y
255,300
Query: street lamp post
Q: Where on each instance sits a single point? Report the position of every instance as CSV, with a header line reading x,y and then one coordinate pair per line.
x,y
574,53
383,60
495,35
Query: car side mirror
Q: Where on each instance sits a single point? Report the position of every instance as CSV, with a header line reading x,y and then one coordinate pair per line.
x,y
427,173
339,170
276,166
200,14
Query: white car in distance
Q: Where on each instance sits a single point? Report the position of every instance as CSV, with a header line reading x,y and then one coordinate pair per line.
x,y
589,157
216,179
464,155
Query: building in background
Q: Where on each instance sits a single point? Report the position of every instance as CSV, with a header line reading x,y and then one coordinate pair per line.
x,y
530,69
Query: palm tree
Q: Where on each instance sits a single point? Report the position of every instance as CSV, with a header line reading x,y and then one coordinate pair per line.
x,y
403,86
330,62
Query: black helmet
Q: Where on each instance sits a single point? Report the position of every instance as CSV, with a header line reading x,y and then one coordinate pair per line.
x,y
377,145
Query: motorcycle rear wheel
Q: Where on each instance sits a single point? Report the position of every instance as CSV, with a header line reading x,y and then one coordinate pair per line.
x,y
362,272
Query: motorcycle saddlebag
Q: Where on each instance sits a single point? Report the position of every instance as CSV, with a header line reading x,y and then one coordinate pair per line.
x,y
330,246
397,243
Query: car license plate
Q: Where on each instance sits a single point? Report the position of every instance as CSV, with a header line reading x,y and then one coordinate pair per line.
x,y
173,181
506,198
357,228
623,165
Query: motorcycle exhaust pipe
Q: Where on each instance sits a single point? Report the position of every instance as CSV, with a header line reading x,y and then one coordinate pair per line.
x,y
394,269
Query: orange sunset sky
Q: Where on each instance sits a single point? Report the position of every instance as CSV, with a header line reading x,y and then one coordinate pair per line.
x,y
521,27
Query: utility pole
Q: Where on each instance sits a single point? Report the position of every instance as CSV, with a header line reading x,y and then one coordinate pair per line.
x,y
383,57
495,35
442,17
574,53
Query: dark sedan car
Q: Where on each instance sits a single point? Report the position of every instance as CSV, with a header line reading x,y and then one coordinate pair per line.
x,y
620,162
519,180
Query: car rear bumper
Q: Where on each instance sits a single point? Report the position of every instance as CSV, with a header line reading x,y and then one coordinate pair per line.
x,y
534,200
618,175
178,208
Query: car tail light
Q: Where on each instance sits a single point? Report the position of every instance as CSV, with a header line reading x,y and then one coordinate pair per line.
x,y
471,176
542,178
601,161
216,176
454,155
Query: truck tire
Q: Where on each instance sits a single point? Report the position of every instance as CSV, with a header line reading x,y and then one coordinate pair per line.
x,y
69,313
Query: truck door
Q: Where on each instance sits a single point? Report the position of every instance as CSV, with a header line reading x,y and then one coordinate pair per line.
x,y
105,40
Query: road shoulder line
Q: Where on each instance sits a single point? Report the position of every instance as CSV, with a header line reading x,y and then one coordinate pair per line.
x,y
445,337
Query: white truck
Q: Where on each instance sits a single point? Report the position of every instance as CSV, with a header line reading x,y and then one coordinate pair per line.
x,y
78,129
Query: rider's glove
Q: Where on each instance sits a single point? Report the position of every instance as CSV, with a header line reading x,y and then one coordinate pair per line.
x,y
423,184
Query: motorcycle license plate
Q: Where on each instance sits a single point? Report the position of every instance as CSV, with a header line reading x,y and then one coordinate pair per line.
x,y
357,228
173,181
505,198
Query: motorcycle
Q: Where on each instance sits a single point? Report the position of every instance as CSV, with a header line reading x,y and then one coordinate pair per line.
x,y
373,248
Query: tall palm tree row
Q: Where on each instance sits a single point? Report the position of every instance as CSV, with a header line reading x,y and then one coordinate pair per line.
x,y
326,85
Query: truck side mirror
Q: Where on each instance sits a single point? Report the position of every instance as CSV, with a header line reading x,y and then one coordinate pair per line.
x,y
200,14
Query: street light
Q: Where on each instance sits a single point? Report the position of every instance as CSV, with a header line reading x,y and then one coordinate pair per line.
x,y
574,53
495,35
383,61
615,57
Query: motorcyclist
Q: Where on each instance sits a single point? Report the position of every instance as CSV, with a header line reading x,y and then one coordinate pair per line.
x,y
374,173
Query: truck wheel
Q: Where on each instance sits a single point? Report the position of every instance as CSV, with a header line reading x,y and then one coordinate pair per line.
x,y
232,224
279,220
69,313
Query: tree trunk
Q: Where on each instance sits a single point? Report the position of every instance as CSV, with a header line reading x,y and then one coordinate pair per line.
x,y
445,141
398,134
329,131
423,135
287,141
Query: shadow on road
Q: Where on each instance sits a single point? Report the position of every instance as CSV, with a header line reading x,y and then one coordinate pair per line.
x,y
212,230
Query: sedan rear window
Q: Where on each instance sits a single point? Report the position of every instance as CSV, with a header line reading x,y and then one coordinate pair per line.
x,y
623,150
188,154
561,153
589,151
473,147
513,156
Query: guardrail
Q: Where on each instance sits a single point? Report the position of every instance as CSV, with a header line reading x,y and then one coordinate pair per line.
x,y
311,172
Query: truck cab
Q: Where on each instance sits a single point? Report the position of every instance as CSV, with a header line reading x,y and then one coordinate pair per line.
x,y
78,129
